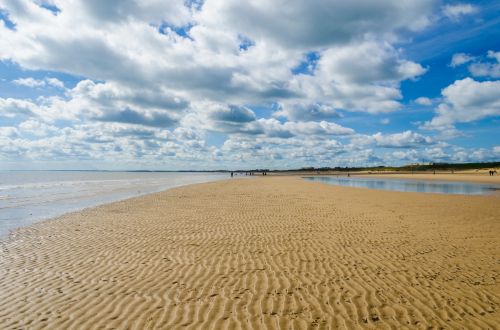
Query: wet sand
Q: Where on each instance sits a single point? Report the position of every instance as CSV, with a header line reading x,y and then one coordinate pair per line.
x,y
264,253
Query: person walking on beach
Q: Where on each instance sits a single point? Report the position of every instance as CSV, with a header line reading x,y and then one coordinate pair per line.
x,y
232,174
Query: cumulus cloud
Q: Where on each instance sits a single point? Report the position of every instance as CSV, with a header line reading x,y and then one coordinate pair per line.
x,y
34,83
54,82
224,51
234,114
467,100
155,11
368,62
149,118
28,82
9,132
241,120
305,25
460,59
306,112
496,151
222,118
488,69
10,108
358,77
322,128
423,101
456,11
37,128
155,79
407,139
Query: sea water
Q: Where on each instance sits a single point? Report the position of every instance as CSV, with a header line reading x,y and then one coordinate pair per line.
x,y
30,196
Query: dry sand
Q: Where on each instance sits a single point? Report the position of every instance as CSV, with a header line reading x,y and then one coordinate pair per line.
x,y
266,253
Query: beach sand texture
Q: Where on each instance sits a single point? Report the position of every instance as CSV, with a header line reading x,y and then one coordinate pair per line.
x,y
266,253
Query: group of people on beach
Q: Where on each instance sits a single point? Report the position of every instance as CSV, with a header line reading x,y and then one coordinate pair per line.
x,y
493,172
250,173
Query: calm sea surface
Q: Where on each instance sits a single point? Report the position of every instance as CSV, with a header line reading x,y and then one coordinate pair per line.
x,y
439,187
30,196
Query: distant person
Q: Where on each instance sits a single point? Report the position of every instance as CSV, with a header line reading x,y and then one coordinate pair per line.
x,y
232,174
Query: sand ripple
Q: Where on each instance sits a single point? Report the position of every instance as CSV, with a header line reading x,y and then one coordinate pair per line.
x,y
270,253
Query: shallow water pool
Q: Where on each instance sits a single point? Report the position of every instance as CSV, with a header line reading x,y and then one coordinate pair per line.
x,y
408,185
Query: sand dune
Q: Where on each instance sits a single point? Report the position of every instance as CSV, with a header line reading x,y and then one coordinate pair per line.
x,y
266,253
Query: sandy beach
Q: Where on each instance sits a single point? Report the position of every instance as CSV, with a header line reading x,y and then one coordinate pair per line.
x,y
261,253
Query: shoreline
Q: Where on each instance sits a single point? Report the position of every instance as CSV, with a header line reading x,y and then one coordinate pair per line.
x,y
467,178
266,253
77,203
459,177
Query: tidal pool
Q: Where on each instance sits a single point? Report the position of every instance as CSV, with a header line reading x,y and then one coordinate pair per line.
x,y
408,185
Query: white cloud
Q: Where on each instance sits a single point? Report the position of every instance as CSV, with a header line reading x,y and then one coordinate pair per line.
x,y
369,61
358,77
10,108
9,132
241,120
154,11
298,24
322,128
37,128
407,139
160,77
35,83
28,82
127,49
460,58
423,101
306,112
491,69
467,100
114,102
54,82
495,55
456,11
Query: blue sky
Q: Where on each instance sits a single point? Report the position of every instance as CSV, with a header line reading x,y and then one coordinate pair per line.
x,y
239,84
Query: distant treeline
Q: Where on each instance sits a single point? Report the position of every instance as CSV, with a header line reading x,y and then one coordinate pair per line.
x,y
405,168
